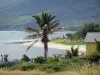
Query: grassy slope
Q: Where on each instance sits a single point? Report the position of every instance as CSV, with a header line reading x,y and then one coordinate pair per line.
x,y
84,71
67,42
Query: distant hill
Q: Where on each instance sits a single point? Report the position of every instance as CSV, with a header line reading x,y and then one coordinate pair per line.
x,y
17,14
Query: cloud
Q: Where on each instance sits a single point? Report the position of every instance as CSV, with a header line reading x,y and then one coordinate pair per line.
x,y
49,11
6,4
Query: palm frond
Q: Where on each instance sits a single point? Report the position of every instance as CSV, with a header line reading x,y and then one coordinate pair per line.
x,y
34,36
75,52
31,45
54,22
38,20
51,18
72,49
53,30
53,25
44,18
28,37
31,30
18,42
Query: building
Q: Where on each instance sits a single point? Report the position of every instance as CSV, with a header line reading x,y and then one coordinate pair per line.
x,y
90,41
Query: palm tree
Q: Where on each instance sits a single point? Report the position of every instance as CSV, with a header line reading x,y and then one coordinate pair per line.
x,y
69,36
72,53
46,25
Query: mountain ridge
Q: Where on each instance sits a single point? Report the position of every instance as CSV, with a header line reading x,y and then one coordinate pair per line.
x,y
16,15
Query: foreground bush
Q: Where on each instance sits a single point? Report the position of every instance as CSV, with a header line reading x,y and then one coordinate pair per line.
x,y
53,60
40,60
92,58
9,63
55,65
72,53
25,66
25,58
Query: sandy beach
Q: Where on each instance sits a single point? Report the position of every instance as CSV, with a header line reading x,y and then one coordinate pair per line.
x,y
82,48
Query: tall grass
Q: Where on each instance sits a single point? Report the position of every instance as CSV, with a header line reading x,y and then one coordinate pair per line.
x,y
94,70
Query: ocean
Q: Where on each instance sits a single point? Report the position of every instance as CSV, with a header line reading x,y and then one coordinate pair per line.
x,y
15,51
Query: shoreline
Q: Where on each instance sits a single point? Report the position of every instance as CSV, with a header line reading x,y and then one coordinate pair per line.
x,y
82,48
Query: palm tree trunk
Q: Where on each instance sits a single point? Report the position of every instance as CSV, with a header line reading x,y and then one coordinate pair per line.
x,y
45,49
45,40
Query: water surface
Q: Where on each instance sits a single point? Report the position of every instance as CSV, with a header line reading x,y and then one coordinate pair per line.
x,y
15,51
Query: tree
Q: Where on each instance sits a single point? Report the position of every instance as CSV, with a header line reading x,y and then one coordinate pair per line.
x,y
77,36
91,27
69,36
47,25
4,58
97,46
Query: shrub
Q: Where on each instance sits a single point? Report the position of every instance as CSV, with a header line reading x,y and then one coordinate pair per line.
x,y
8,64
40,60
43,67
11,68
25,58
75,52
54,66
74,63
57,67
92,58
26,66
56,58
72,53
76,59
97,46
53,60
68,54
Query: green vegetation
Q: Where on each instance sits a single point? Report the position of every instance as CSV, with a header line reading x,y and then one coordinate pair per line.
x,y
72,53
25,58
70,36
40,60
66,65
58,64
67,42
90,27
97,46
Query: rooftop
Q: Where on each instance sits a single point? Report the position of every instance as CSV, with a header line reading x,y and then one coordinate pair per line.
x,y
91,36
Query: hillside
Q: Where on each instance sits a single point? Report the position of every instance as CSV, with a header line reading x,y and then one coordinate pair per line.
x,y
17,14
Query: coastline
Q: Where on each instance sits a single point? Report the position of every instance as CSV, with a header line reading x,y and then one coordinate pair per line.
x,y
82,48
